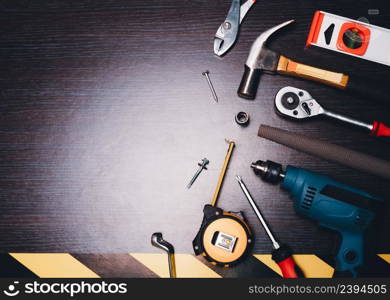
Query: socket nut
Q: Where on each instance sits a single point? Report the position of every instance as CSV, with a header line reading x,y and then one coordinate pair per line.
x,y
242,119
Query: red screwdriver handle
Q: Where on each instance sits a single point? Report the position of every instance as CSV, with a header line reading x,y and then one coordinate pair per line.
x,y
283,257
287,267
380,129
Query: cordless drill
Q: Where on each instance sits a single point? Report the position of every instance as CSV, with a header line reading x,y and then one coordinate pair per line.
x,y
333,205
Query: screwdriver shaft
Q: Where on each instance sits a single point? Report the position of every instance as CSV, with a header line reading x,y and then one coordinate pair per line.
x,y
275,244
281,254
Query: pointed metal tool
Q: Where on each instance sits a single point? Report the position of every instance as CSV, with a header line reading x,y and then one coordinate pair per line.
x,y
202,166
281,254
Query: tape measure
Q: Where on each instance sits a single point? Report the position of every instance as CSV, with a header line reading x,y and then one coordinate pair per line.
x,y
224,238
350,37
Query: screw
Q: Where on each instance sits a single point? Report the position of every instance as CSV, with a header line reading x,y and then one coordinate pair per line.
x,y
206,74
202,166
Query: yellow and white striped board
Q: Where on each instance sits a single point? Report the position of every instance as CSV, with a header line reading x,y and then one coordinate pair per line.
x,y
135,265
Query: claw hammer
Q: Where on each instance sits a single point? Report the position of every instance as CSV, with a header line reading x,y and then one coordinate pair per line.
x,y
262,59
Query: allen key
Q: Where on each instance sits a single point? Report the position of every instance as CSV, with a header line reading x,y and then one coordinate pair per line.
x,y
158,242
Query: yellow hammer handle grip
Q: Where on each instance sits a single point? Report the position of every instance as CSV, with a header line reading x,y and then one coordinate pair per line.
x,y
290,67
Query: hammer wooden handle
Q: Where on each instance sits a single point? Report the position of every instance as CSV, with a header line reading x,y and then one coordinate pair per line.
x,y
290,67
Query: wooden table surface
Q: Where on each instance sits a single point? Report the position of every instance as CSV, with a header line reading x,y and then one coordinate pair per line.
x,y
104,115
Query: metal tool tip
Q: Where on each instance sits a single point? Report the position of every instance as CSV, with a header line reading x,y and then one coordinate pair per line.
x,y
289,22
238,178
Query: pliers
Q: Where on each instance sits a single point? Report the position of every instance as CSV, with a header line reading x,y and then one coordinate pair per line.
x,y
228,31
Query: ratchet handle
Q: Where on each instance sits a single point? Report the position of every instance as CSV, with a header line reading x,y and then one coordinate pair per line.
x,y
283,257
380,129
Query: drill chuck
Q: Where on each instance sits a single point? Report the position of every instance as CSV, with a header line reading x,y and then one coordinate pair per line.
x,y
269,171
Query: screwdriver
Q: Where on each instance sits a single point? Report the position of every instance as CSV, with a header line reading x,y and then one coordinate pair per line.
x,y
281,254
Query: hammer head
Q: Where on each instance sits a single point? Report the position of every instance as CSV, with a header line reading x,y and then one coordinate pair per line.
x,y
260,59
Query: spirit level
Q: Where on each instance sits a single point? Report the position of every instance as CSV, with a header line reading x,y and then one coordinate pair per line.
x,y
351,37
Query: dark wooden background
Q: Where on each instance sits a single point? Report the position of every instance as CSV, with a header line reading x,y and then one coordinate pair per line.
x,y
104,115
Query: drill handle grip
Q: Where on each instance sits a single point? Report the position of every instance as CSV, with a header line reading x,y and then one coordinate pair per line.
x,y
350,255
